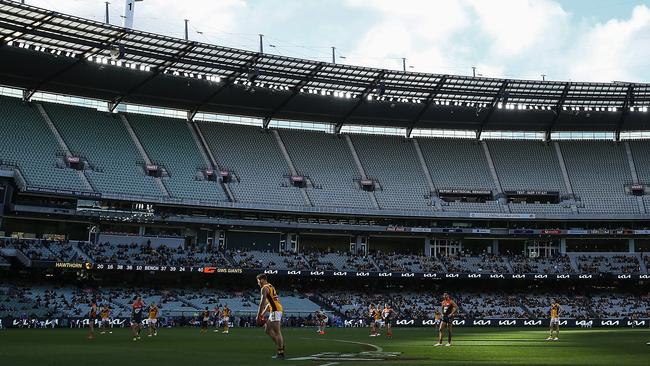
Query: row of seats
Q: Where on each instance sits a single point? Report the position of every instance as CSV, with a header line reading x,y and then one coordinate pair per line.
x,y
597,170
146,254
75,301
522,305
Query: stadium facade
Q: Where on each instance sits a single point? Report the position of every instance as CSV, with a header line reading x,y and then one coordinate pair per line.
x,y
94,188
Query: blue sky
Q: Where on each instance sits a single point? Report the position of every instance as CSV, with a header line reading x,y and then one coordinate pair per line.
x,y
587,40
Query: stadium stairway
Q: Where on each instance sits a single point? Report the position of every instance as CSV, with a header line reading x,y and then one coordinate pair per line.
x,y
292,167
635,176
20,256
143,153
208,156
362,171
574,263
508,264
81,253
426,172
48,121
642,265
493,173
374,263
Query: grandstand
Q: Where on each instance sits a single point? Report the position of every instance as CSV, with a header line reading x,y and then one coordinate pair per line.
x,y
262,175
177,171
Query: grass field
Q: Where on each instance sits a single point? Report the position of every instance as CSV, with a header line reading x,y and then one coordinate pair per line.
x,y
185,346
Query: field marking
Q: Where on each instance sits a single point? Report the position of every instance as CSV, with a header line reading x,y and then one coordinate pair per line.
x,y
377,355
377,348
330,364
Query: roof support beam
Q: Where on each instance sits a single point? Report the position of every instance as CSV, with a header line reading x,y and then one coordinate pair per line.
x,y
362,99
296,90
27,29
493,105
29,93
556,111
159,69
429,101
226,83
625,110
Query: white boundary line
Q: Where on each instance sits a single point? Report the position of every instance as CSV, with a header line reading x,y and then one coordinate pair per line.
x,y
313,357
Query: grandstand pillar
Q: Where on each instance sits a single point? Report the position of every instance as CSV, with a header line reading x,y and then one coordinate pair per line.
x,y
220,239
141,230
359,244
427,247
495,246
563,246
289,243
631,245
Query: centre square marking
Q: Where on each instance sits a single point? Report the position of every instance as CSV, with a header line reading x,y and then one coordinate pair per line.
x,y
348,356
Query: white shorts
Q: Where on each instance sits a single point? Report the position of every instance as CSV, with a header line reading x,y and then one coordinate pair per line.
x,y
153,321
275,316
325,320
225,320
555,321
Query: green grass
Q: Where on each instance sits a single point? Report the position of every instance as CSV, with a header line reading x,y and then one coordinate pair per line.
x,y
185,346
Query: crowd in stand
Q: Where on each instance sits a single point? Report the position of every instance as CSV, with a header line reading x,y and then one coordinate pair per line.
x,y
50,301
322,260
468,263
554,265
617,264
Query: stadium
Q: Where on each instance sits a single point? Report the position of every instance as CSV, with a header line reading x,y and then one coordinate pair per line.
x,y
188,174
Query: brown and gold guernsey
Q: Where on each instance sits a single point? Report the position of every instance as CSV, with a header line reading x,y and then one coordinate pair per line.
x,y
272,298
104,313
226,312
377,314
555,311
153,313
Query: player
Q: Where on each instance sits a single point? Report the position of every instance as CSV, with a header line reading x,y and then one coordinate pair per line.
x,y
372,321
136,317
449,309
105,314
269,301
437,318
555,322
378,321
226,319
92,315
322,320
205,320
216,318
388,315
153,320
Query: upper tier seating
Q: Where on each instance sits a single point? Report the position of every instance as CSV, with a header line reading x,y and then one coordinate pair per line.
x,y
598,171
26,141
102,139
262,175
169,142
393,161
328,162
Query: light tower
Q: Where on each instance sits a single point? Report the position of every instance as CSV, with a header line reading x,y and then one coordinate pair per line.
x,y
129,10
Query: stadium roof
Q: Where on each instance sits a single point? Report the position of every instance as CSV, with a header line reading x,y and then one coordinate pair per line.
x,y
42,50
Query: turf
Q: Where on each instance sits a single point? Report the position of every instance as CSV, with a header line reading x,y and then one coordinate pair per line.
x,y
185,346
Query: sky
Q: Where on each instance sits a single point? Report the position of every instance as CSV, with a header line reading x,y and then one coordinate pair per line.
x,y
568,40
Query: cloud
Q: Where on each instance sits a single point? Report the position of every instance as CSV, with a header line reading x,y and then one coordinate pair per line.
x,y
615,50
518,26
502,38
450,37
158,16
